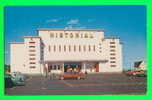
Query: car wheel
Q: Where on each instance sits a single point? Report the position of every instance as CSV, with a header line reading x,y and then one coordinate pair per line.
x,y
62,78
78,78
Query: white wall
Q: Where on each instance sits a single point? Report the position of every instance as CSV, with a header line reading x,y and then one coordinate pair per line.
x,y
36,70
66,56
17,57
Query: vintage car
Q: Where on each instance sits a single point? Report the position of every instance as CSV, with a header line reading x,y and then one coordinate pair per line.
x,y
141,74
131,73
72,75
18,78
8,81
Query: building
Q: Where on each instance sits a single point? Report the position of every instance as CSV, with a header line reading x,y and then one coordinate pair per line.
x,y
58,50
140,65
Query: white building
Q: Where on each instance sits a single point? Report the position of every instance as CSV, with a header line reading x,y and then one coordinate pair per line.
x,y
57,50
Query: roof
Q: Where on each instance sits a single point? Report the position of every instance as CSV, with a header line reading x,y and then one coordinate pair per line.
x,y
50,29
16,42
136,64
32,37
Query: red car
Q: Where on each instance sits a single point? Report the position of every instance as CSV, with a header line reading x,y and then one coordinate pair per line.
x,y
72,75
132,72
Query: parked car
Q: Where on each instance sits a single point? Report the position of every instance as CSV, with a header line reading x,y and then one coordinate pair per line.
x,y
131,73
142,74
8,81
72,75
18,78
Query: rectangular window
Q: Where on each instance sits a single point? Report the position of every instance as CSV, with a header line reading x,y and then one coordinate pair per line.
x,y
112,46
49,48
112,42
31,46
74,48
32,63
59,48
112,57
113,54
32,42
69,48
32,54
32,58
79,48
94,48
32,67
112,62
112,50
54,48
32,50
89,48
113,65
84,48
64,48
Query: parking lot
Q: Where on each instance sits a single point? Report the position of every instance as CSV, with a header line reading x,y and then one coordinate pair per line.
x,y
94,84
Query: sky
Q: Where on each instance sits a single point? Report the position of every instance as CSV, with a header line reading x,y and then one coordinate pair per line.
x,y
126,22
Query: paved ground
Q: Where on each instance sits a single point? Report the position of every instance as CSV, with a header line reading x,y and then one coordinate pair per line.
x,y
95,84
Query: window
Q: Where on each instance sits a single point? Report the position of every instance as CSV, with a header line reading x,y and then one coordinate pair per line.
x,y
112,46
94,48
112,54
32,50
112,57
32,67
113,65
112,50
32,42
59,48
79,48
112,62
54,48
32,54
69,48
100,51
112,42
51,35
84,48
100,47
49,48
32,62
89,48
74,48
64,48
32,46
61,35
32,58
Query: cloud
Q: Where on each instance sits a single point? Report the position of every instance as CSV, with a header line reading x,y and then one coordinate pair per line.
x,y
52,20
73,21
72,27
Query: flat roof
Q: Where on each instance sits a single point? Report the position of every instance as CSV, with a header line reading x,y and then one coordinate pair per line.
x,y
16,42
31,37
52,29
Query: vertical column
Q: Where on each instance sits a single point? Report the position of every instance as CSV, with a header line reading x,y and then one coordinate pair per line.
x,y
63,67
84,67
46,69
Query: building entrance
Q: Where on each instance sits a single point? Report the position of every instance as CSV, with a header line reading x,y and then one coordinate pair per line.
x,y
72,67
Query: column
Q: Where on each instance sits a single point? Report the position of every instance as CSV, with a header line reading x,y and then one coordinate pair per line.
x,y
84,67
63,67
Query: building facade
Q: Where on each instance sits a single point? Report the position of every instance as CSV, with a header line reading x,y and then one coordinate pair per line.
x,y
57,50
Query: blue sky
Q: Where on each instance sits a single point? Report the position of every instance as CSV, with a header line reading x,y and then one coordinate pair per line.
x,y
126,22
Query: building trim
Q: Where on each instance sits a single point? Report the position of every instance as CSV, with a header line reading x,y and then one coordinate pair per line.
x,y
49,29
16,42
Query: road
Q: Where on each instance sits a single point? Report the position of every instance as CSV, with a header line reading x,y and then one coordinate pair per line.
x,y
94,84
